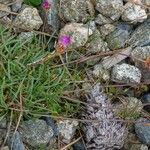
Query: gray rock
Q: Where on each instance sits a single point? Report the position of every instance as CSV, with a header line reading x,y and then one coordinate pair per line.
x,y
36,133
106,29
3,122
139,147
145,100
53,18
125,73
26,36
3,128
134,13
52,124
91,25
92,62
17,6
79,146
138,55
79,34
130,108
117,39
96,44
6,1
15,142
6,10
67,129
112,9
29,18
100,72
141,35
5,148
77,10
143,130
101,20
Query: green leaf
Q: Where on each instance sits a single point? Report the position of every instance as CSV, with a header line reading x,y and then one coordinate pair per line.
x,y
34,3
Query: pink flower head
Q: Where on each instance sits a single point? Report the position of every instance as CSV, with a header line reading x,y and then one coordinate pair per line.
x,y
64,40
46,5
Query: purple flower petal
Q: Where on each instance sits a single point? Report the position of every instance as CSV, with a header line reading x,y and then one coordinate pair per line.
x,y
64,40
46,5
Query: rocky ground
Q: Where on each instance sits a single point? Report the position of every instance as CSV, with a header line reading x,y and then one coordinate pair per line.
x,y
109,42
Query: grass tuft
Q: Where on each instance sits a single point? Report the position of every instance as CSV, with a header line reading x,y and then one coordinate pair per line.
x,y
39,88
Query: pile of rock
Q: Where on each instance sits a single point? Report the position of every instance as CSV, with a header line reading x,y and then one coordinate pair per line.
x,y
99,26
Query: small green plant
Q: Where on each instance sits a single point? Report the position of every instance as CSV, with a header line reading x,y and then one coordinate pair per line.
x,y
38,88
34,3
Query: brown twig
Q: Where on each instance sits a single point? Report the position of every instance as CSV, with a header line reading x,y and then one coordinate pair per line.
x,y
70,144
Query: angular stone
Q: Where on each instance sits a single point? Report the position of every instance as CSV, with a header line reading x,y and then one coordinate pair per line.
x,y
142,130
125,73
67,129
77,10
36,133
106,29
52,15
17,6
101,20
78,33
118,38
29,19
100,72
96,44
141,35
110,8
15,142
138,55
139,147
133,13
6,10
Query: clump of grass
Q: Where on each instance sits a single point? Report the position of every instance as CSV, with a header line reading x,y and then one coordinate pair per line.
x,y
39,88
34,3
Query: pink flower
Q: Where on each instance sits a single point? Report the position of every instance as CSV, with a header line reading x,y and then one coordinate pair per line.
x,y
64,40
46,5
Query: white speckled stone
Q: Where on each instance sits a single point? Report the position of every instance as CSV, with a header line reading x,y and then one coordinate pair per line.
x,y
125,73
29,18
133,13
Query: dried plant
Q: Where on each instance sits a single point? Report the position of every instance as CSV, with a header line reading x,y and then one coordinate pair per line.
x,y
107,133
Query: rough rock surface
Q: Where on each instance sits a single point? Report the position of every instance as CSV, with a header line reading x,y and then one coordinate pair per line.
x,y
100,72
130,108
67,129
101,20
125,73
52,16
77,10
142,130
106,29
78,33
118,38
134,13
112,9
141,35
138,55
139,147
36,132
15,142
29,19
6,12
96,44
17,6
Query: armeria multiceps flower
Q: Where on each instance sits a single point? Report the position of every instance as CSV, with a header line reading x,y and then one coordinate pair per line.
x,y
63,42
46,5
